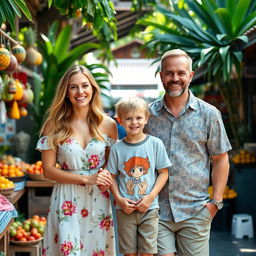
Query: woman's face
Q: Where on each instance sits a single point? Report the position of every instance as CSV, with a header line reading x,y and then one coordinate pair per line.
x,y
80,90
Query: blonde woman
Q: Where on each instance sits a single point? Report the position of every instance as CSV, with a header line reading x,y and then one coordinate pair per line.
x,y
76,134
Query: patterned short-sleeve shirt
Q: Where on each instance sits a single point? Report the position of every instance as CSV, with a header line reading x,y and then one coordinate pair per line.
x,y
190,140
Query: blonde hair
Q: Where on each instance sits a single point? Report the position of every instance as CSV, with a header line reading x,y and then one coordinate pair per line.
x,y
176,53
60,112
128,104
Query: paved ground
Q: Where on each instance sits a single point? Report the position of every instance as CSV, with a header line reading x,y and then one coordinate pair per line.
x,y
223,244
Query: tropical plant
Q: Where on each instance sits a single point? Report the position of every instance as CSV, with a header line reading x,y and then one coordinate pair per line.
x,y
9,9
57,58
211,31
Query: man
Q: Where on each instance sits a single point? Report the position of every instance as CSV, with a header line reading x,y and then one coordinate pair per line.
x,y
194,135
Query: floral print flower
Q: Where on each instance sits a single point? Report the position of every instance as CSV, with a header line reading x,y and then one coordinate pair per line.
x,y
66,248
106,223
64,166
44,252
98,253
81,246
93,161
106,194
68,208
43,140
56,238
84,213
69,141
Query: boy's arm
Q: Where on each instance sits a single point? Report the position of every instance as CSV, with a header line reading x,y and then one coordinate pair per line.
x,y
127,205
146,201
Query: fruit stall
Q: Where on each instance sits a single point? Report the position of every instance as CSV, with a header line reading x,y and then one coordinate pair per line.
x,y
22,226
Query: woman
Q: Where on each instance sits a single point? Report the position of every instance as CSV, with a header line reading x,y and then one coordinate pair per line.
x,y
76,134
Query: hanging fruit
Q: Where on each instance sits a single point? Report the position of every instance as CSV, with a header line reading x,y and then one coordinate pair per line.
x,y
13,64
23,111
12,88
19,90
33,57
14,111
30,93
4,57
6,96
19,52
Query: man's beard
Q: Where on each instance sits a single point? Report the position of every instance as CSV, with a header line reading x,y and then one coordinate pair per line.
x,y
175,94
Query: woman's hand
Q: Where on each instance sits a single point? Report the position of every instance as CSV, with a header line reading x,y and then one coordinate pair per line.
x,y
101,178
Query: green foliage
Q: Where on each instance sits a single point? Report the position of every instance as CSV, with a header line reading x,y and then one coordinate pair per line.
x,y
98,15
212,32
57,58
9,9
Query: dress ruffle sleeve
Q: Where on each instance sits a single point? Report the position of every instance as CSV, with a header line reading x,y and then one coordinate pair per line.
x,y
43,144
109,141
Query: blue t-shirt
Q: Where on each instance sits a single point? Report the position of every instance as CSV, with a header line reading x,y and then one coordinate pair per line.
x,y
136,165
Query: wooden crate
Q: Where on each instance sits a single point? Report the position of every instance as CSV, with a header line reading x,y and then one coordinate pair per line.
x,y
39,193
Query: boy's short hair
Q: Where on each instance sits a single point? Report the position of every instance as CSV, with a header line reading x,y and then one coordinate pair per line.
x,y
128,104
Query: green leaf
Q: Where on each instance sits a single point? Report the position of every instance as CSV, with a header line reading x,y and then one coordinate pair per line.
x,y
243,38
22,5
48,44
240,12
14,7
62,43
226,20
202,14
10,16
91,7
231,6
249,22
50,3
52,32
223,52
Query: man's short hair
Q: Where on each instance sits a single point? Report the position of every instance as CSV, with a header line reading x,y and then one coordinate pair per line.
x,y
175,53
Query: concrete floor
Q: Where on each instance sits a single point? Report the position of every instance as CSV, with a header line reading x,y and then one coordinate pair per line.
x,y
223,244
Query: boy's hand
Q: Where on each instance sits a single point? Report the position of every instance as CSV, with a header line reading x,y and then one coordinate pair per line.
x,y
127,205
103,188
144,203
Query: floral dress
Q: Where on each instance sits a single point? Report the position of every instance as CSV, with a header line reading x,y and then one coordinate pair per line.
x,y
80,220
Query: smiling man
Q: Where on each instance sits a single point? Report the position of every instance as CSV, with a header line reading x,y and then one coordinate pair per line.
x,y
194,136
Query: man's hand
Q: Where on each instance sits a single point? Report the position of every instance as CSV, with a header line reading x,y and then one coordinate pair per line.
x,y
212,208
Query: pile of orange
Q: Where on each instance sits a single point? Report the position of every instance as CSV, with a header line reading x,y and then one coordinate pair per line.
x,y
10,170
5,183
35,168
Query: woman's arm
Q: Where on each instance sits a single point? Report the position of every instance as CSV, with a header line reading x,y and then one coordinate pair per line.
x,y
58,175
109,127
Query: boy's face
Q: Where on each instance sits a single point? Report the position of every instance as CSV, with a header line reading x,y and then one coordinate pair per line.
x,y
134,122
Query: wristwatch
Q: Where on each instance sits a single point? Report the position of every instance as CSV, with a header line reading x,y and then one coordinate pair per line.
x,y
219,204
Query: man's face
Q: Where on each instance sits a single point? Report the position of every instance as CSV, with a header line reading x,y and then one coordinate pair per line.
x,y
175,75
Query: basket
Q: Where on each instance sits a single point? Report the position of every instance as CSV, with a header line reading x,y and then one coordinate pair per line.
x,y
6,192
38,177
17,179
26,243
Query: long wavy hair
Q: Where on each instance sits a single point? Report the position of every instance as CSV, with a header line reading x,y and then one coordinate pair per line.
x,y
58,116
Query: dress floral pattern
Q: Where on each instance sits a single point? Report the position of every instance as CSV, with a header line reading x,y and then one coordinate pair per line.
x,y
80,220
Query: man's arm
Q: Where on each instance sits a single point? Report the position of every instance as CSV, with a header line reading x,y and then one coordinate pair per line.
x,y
220,171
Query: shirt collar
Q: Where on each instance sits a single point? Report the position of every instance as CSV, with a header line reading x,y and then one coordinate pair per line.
x,y
192,103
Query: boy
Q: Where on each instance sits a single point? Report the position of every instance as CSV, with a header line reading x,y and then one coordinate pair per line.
x,y
134,161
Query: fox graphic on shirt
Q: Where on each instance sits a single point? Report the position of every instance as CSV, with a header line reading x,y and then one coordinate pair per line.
x,y
136,167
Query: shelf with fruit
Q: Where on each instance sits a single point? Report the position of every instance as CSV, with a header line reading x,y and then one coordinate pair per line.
x,y
243,157
229,193
31,229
